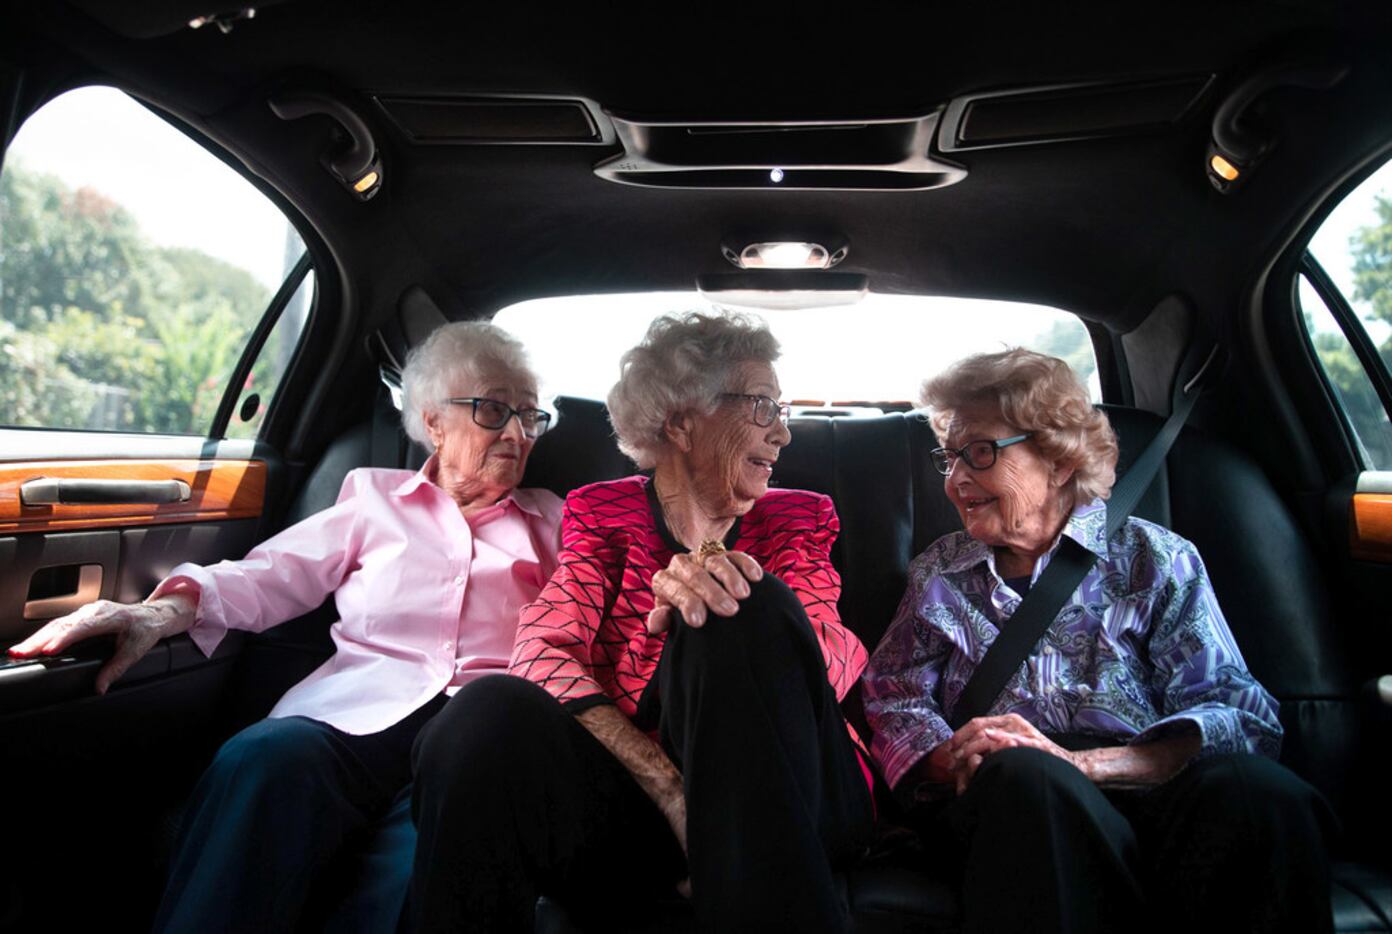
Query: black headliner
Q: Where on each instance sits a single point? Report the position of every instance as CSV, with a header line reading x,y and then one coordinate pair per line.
x,y
1103,227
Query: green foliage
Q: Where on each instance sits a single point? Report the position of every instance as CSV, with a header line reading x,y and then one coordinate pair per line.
x,y
1356,394
66,248
99,327
1370,251
1371,248
35,387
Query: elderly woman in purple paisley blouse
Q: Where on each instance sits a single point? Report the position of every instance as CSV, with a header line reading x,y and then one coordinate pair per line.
x,y
1126,774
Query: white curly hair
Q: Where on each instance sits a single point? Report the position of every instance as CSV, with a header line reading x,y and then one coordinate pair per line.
x,y
454,353
682,365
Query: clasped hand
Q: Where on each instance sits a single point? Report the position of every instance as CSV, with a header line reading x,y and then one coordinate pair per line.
x,y
697,587
956,761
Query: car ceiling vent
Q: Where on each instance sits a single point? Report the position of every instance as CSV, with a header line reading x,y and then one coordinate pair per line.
x,y
488,120
881,155
1027,116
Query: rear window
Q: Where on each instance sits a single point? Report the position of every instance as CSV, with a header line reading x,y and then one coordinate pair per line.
x,y
875,352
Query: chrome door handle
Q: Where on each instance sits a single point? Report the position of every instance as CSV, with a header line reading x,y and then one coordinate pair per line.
x,y
89,581
49,491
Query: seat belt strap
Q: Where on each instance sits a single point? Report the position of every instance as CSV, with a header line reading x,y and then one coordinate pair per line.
x,y
1071,561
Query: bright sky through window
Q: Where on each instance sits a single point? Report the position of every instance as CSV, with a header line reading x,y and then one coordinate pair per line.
x,y
181,195
878,350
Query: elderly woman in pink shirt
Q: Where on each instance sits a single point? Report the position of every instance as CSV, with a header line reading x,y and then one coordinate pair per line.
x,y
429,572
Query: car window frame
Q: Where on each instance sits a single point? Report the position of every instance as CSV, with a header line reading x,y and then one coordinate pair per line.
x,y
256,342
1320,448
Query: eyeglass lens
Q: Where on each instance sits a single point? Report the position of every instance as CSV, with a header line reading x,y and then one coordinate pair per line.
x,y
766,410
979,455
493,415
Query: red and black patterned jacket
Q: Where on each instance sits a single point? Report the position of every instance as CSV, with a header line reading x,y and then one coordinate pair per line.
x,y
585,638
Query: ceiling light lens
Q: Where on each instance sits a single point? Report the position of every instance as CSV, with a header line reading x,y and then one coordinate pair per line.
x,y
784,255
776,176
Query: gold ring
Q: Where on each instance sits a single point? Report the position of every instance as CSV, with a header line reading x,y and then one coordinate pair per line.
x,y
708,548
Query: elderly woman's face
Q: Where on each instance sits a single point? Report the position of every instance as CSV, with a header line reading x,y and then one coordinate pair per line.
x,y
1013,504
491,459
731,457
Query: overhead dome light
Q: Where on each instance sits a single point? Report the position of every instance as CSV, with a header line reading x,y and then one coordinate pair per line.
x,y
785,255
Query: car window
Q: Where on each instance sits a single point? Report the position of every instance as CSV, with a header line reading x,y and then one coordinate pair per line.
x,y
1353,390
254,395
1345,294
134,267
876,351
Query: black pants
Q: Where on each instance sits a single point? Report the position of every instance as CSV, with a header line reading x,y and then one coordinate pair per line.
x,y
1232,843
275,808
514,798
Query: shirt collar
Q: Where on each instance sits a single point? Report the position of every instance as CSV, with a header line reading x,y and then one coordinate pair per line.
x,y
426,477
1086,525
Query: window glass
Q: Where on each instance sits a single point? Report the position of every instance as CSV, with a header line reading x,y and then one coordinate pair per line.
x,y
1353,390
878,350
1354,247
134,265
255,395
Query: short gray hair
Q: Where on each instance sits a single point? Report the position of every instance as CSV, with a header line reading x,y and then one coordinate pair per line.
x,y
682,365
454,353
1037,393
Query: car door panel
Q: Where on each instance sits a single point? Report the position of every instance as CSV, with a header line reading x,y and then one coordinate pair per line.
x,y
60,555
211,490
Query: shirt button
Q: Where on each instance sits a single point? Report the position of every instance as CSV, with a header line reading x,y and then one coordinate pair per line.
x,y
459,581
447,646
1048,650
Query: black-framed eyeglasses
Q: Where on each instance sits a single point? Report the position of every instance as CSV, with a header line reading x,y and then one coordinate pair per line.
x,y
493,415
765,410
978,455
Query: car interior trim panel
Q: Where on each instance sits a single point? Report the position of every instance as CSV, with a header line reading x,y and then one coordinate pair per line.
x,y
217,491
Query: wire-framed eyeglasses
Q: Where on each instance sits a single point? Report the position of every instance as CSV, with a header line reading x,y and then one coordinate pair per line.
x,y
978,455
493,415
765,410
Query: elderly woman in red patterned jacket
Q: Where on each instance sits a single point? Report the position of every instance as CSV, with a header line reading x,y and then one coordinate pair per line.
x,y
676,718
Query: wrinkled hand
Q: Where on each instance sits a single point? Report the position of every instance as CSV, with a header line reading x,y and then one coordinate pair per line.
x,y
962,755
137,627
696,588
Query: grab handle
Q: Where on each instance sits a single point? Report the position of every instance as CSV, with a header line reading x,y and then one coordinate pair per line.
x,y
50,491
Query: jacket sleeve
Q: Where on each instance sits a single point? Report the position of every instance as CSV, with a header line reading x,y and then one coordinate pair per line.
x,y
804,564
285,576
556,631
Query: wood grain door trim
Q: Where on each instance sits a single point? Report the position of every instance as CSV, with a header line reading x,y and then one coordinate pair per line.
x,y
218,490
1370,527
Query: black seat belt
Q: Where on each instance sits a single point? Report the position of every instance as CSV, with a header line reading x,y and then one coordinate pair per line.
x,y
1071,562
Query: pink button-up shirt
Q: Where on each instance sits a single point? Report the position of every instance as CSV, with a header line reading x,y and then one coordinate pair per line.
x,y
427,600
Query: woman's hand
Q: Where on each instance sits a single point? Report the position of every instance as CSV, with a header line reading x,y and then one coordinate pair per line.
x,y
960,757
1139,765
137,627
700,586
